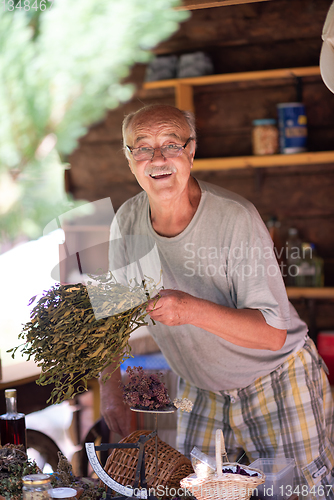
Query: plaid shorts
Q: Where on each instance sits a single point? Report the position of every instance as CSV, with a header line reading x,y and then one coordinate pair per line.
x,y
288,413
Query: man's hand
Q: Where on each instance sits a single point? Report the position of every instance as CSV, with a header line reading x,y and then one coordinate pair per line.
x,y
171,307
115,412
243,327
117,415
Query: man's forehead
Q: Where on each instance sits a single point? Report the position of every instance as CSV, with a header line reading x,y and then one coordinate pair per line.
x,y
165,124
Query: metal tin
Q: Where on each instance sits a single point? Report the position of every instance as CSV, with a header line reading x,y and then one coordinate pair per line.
x,y
292,123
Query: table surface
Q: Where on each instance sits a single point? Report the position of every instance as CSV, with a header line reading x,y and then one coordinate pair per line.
x,y
20,373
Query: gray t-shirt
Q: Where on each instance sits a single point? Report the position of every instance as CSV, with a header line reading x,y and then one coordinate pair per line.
x,y
225,255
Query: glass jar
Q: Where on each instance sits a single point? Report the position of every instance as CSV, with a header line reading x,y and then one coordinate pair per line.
x,y
265,137
36,487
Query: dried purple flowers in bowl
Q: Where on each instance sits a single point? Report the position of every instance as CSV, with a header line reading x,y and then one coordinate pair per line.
x,y
145,391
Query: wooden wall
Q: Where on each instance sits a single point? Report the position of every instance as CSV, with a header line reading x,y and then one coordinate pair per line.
x,y
246,37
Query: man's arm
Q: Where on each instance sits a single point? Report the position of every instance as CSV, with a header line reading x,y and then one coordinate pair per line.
x,y
243,327
116,413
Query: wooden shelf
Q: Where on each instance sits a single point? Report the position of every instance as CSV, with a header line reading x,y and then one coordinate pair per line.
x,y
184,86
235,162
235,77
184,100
310,293
206,4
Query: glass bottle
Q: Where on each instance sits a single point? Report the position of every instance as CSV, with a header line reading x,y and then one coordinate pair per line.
x,y
319,270
293,256
36,487
12,423
310,270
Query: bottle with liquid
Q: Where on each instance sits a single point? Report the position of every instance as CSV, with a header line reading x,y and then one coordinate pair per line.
x,y
292,256
12,423
310,269
274,226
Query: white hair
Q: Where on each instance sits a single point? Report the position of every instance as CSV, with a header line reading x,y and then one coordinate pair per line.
x,y
188,115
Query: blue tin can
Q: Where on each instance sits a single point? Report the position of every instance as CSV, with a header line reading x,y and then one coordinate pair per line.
x,y
292,125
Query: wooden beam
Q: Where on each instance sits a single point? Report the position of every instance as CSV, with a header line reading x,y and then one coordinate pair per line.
x,y
206,4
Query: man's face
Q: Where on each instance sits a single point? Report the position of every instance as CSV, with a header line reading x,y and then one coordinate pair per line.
x,y
162,177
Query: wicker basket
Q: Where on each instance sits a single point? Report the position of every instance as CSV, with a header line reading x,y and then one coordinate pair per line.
x,y
172,465
223,486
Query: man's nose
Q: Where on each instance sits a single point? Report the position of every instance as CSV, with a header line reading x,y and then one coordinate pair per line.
x,y
157,155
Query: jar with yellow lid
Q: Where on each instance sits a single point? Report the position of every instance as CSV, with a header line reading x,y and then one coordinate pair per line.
x,y
265,137
36,487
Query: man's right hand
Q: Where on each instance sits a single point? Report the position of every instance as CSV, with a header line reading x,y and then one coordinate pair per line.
x,y
115,412
117,415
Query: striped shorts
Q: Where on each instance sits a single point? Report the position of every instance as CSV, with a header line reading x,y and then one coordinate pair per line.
x,y
288,413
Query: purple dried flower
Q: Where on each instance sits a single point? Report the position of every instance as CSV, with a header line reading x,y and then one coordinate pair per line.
x,y
145,391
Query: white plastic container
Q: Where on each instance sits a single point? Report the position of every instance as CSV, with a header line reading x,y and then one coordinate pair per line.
x,y
64,493
203,465
279,474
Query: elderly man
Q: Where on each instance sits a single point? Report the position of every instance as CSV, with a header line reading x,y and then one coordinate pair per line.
x,y
223,320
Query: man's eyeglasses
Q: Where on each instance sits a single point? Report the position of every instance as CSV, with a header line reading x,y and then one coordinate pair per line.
x,y
168,151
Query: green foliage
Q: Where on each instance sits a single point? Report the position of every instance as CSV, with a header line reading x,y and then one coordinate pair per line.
x,y
60,72
14,464
66,340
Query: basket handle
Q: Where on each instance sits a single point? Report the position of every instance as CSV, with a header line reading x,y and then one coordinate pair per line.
x,y
220,451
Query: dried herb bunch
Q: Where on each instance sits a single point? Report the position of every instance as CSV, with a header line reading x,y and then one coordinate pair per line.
x,y
64,477
67,341
144,391
14,464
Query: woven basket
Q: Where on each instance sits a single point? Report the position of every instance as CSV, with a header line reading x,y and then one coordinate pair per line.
x,y
224,486
172,465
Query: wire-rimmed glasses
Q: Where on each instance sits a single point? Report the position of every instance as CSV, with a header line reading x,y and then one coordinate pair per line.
x,y
168,151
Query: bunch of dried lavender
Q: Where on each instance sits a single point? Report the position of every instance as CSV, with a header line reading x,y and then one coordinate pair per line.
x,y
67,341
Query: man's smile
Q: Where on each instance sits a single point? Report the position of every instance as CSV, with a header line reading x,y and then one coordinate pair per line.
x,y
160,175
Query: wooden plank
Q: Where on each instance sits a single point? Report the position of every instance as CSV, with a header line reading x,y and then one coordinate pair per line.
x,y
253,27
264,161
235,77
206,4
310,293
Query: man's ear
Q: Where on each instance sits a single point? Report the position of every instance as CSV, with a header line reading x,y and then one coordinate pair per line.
x,y
128,158
130,167
192,151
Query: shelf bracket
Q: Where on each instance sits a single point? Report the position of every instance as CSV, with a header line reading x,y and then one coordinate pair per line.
x,y
184,97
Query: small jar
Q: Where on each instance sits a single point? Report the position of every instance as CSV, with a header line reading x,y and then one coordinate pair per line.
x,y
64,493
36,487
265,137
